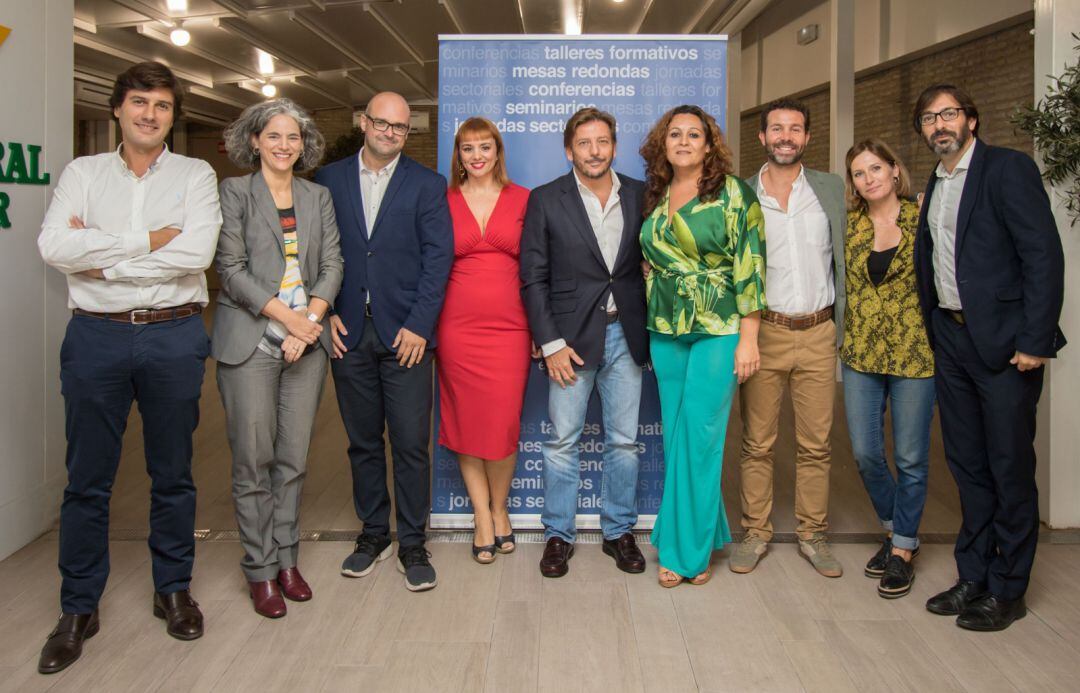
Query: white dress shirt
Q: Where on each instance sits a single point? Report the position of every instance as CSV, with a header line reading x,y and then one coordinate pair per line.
x,y
119,210
799,264
606,221
373,186
942,216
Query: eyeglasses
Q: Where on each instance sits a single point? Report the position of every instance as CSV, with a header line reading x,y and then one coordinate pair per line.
x,y
946,114
399,129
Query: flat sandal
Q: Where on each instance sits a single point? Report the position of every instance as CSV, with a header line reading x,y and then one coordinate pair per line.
x,y
667,578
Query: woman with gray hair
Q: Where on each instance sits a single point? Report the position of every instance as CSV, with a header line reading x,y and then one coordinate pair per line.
x,y
279,259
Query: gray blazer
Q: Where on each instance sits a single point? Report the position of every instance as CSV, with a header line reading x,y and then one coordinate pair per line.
x,y
251,259
829,189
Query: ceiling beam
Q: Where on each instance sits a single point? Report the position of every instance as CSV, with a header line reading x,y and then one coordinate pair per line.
x,y
636,29
329,40
318,4
452,14
236,28
150,32
415,82
735,19
88,27
308,83
94,44
145,10
216,95
83,74
232,6
359,82
392,30
521,15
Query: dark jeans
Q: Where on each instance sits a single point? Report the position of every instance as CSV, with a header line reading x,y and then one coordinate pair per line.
x,y
988,428
104,366
373,390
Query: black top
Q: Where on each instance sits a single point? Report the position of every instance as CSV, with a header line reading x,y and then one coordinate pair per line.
x,y
878,264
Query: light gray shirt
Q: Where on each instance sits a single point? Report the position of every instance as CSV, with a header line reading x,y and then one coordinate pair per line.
x,y
942,213
373,186
607,225
799,263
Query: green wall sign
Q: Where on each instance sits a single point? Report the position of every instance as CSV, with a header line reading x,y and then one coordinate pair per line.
x,y
21,165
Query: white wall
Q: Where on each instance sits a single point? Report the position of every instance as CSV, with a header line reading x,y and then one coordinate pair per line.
x,y
36,65
774,65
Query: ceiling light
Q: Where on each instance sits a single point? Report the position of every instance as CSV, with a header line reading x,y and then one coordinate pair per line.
x,y
266,62
269,90
177,5
180,37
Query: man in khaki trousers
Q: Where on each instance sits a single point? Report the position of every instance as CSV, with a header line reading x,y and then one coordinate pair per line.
x,y
805,220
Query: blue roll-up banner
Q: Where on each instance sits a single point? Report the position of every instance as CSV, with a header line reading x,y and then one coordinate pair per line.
x,y
529,86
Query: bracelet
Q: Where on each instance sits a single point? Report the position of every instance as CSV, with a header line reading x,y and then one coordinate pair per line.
x,y
313,318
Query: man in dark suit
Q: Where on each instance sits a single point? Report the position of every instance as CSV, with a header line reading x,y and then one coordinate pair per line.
x,y
990,272
585,299
397,243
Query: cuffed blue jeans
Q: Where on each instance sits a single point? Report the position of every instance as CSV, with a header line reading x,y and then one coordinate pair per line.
x,y
618,379
898,501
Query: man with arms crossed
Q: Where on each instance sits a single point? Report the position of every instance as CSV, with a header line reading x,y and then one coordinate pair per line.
x,y
585,299
991,272
397,244
133,230
805,221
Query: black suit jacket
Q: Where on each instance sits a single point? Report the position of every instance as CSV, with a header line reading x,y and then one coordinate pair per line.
x,y
1010,268
565,282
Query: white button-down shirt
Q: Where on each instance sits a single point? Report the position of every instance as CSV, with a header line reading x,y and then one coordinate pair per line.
x,y
119,211
942,216
373,186
606,221
799,263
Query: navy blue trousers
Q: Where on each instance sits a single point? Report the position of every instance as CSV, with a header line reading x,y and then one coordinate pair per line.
x,y
104,367
988,430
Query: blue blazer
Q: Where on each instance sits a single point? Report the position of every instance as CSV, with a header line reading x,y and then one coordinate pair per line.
x,y
405,264
1010,268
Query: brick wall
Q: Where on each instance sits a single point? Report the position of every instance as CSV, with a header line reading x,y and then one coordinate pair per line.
x,y
995,69
336,122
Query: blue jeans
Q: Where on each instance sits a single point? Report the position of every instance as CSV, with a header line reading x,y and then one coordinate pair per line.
x,y
619,381
898,501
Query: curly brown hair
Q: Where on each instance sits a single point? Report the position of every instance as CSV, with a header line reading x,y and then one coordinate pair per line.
x,y
658,172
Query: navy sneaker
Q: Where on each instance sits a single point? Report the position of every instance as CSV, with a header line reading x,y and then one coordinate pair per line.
x,y
369,550
413,562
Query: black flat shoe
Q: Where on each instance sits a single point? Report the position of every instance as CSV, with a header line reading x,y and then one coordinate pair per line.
x,y
898,578
875,567
990,613
953,600
508,539
489,549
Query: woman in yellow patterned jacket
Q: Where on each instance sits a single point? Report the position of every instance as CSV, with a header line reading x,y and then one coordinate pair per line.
x,y
885,356
703,237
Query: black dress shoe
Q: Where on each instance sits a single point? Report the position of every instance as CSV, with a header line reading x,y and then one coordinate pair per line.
x,y
183,620
556,559
953,600
898,578
64,644
626,553
989,613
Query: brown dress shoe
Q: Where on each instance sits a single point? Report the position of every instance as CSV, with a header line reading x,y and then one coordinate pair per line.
x,y
267,598
65,642
626,553
556,559
183,620
293,585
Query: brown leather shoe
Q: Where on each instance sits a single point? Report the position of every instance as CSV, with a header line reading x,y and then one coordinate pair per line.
x,y
626,553
556,559
266,596
64,644
183,620
293,585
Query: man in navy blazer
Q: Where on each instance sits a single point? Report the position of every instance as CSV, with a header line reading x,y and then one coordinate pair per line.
x,y
397,243
990,272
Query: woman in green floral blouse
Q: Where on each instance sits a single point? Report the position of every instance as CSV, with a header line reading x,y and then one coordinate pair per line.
x,y
886,357
703,238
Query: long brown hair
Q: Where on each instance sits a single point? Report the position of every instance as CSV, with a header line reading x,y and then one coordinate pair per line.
x,y
884,152
481,128
658,172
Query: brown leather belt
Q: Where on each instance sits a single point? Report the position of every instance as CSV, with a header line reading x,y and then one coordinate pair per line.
x,y
145,316
956,315
798,322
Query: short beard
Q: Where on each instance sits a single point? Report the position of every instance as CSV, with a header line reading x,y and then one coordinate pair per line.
x,y
592,176
958,142
786,161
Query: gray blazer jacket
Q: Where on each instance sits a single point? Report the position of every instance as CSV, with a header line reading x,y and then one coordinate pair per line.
x,y
829,189
251,259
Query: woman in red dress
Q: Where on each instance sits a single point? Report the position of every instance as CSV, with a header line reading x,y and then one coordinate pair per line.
x,y
483,336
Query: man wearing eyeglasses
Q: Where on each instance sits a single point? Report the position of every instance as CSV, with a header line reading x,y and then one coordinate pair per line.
x,y
990,273
397,243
